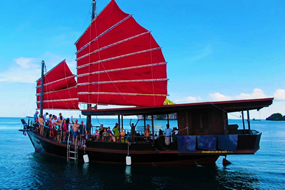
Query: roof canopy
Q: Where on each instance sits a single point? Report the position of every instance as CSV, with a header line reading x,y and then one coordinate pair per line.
x,y
228,106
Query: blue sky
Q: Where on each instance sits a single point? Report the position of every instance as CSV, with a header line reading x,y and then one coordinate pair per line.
x,y
216,50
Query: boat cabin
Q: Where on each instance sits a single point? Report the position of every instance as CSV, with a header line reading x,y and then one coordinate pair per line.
x,y
200,120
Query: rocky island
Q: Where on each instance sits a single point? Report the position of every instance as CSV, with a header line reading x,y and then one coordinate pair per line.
x,y
276,117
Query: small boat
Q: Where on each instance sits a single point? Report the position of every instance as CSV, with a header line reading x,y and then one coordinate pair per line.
x,y
120,63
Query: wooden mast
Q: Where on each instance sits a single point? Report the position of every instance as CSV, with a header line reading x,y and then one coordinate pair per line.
x,y
88,119
42,88
93,10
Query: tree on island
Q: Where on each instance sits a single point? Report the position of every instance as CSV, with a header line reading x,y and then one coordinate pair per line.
x,y
276,117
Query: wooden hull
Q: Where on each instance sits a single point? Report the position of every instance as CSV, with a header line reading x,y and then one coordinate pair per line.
x,y
142,153
118,156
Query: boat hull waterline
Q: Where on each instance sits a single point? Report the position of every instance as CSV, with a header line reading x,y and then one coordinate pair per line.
x,y
150,157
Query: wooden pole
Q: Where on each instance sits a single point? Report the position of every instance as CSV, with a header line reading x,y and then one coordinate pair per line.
x,y
122,121
167,119
144,123
242,115
88,118
93,15
119,122
152,124
187,122
42,88
248,121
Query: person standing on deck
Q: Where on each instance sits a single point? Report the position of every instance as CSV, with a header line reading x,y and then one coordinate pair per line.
x,y
122,135
147,133
36,118
101,131
64,130
75,129
71,133
60,116
116,131
133,130
60,120
167,134
45,116
82,132
41,124
50,125
36,121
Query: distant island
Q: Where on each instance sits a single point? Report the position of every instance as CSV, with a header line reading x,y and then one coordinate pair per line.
x,y
172,116
276,117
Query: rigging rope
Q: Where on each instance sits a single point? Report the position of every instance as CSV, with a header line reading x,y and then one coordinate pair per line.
x,y
106,73
223,110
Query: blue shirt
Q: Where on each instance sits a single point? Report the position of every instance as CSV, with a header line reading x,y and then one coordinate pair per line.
x,y
167,132
36,119
81,130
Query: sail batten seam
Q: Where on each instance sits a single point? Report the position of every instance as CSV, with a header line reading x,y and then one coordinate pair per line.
x,y
103,33
56,81
123,81
122,93
55,91
118,57
111,45
59,100
121,69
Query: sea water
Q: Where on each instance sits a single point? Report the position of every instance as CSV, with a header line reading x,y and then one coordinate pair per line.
x,y
22,168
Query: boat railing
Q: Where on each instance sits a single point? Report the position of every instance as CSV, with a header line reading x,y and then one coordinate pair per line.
x,y
248,132
140,139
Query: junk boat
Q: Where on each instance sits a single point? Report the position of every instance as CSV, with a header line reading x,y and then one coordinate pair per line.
x,y
120,63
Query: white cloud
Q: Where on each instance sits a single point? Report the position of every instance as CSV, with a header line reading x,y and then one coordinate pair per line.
x,y
219,97
26,70
189,99
27,63
206,51
257,93
279,94
193,99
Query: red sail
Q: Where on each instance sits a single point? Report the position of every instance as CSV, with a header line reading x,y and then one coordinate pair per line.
x,y
119,62
60,91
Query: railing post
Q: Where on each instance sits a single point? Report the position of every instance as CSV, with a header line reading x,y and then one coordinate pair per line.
x,y
248,121
242,115
152,123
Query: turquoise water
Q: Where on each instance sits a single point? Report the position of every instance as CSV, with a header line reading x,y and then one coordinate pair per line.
x,y
22,168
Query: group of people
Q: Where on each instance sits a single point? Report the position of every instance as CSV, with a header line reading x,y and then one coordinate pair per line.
x,y
118,135
59,128
107,135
